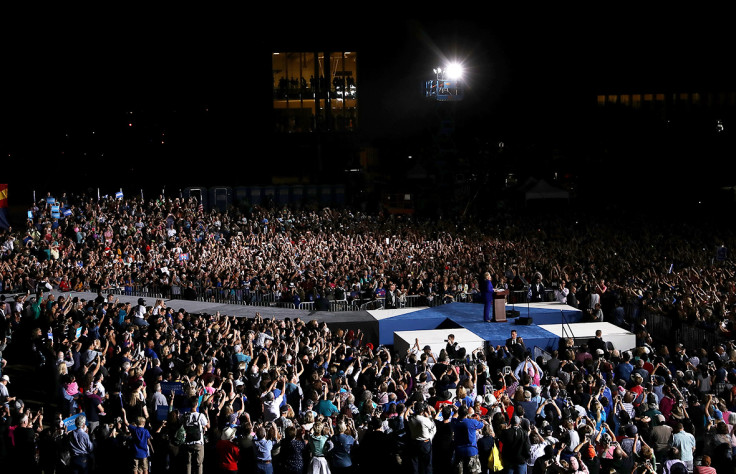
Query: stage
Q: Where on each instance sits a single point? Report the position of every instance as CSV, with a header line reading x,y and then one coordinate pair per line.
x,y
621,339
382,326
470,316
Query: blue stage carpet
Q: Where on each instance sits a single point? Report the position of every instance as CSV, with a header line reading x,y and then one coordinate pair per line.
x,y
470,317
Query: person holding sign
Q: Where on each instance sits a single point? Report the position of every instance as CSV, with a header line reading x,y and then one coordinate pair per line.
x,y
81,448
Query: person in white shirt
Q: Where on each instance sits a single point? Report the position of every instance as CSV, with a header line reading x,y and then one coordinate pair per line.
x,y
422,429
561,292
272,403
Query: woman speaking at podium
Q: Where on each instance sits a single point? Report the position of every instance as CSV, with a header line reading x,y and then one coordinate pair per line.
x,y
487,294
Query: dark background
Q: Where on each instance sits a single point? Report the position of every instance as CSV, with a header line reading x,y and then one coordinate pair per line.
x,y
88,99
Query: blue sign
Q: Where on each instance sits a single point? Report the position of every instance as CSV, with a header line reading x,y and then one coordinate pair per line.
x,y
119,195
70,423
167,387
162,412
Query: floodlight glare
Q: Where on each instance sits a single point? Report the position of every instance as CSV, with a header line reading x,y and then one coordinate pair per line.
x,y
454,71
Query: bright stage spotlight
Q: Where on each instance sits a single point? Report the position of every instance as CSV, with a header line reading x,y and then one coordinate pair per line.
x,y
454,71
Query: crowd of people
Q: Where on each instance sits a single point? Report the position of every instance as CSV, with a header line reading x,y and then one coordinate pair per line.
x,y
147,386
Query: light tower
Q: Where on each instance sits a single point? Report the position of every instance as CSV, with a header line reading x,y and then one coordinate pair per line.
x,y
447,84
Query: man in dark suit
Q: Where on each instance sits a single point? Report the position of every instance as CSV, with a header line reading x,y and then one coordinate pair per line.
x,y
392,297
597,343
537,290
515,344
572,296
452,347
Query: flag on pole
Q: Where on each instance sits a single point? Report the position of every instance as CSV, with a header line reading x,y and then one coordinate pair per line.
x,y
4,223
201,207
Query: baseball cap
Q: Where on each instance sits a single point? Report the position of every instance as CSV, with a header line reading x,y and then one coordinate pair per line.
x,y
489,399
6,378
228,433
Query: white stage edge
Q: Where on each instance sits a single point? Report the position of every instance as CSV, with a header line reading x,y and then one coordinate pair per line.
x,y
621,339
436,339
380,314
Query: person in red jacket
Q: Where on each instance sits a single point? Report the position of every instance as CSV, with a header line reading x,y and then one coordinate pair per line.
x,y
228,452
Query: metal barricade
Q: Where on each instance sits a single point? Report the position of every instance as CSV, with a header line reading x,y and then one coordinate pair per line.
x,y
541,352
371,305
339,305
664,330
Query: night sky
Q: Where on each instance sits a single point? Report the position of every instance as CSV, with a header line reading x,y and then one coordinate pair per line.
x,y
150,95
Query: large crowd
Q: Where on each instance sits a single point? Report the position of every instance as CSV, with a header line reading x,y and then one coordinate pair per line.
x,y
148,386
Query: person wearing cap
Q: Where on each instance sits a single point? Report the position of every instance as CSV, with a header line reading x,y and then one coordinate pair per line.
x,y
631,445
271,403
5,397
529,406
515,447
660,437
228,451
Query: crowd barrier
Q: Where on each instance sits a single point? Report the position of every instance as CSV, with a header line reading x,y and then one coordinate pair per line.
x,y
665,330
271,299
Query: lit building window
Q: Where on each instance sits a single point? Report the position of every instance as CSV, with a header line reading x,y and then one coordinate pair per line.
x,y
315,91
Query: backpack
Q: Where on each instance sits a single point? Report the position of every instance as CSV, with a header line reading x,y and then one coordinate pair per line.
x,y
192,428
180,437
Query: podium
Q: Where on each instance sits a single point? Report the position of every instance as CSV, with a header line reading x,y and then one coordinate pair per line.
x,y
499,305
